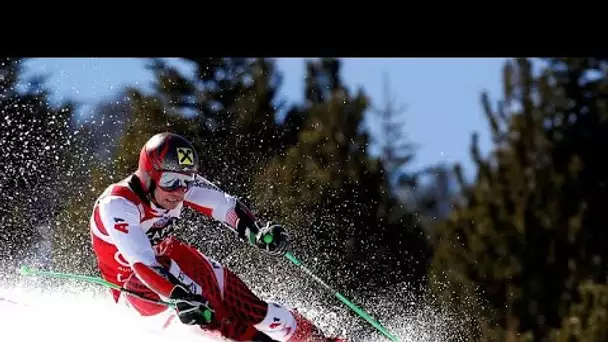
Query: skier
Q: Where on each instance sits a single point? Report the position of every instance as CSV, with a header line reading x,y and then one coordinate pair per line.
x,y
131,232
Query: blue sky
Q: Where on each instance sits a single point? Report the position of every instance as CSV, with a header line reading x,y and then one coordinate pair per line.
x,y
442,95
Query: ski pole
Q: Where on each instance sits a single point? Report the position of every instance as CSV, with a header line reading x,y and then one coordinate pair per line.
x,y
343,299
25,270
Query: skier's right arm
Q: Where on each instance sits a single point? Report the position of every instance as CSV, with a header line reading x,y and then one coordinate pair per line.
x,y
121,220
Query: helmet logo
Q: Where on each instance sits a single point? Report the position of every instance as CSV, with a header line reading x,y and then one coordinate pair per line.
x,y
185,156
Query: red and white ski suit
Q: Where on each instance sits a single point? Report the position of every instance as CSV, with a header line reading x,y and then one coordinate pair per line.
x,y
131,236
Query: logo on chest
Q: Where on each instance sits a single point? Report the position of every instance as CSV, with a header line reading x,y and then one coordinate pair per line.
x,y
161,229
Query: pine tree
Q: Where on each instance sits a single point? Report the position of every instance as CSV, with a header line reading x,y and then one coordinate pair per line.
x,y
233,101
335,197
36,144
528,232
396,151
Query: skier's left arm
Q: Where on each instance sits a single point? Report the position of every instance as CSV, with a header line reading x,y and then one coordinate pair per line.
x,y
210,200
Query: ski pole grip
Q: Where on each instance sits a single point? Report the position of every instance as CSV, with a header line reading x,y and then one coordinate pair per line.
x,y
24,270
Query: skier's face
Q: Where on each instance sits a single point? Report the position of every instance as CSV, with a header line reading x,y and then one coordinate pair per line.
x,y
169,199
172,187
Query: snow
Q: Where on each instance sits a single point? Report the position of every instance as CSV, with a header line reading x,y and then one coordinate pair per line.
x,y
28,315
82,313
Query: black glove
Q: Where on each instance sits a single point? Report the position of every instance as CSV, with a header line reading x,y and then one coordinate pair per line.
x,y
273,238
192,309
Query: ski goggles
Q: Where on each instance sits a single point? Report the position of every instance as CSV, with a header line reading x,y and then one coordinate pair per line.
x,y
172,181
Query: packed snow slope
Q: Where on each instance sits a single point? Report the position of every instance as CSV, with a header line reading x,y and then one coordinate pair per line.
x,y
67,312
31,315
